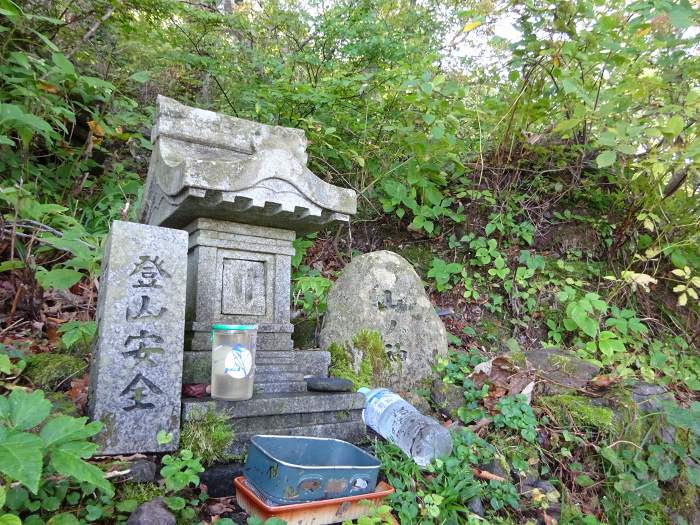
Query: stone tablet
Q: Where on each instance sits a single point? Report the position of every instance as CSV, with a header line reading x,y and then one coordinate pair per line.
x,y
136,372
381,291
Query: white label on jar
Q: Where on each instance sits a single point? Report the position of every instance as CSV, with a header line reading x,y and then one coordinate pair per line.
x,y
238,362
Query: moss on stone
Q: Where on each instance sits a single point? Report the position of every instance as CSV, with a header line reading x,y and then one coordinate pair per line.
x,y
581,411
421,257
208,434
370,365
50,371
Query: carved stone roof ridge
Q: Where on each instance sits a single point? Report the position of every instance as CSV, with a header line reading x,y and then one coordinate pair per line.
x,y
205,164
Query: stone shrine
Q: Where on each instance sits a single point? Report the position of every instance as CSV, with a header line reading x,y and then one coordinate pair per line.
x,y
136,373
241,190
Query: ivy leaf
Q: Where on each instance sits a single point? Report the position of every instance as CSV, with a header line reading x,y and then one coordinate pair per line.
x,y
21,456
605,159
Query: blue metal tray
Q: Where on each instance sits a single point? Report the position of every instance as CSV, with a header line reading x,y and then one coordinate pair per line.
x,y
291,469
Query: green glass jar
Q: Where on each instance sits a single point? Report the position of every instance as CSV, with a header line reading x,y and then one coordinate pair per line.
x,y
233,361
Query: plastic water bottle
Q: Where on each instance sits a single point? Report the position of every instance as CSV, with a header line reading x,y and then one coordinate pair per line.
x,y
420,437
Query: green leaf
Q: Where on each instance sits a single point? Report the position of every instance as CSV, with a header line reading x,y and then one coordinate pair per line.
x,y
5,367
65,428
681,15
566,125
3,495
25,411
140,77
128,505
58,278
66,462
693,474
11,265
63,64
668,471
21,457
605,159
65,518
10,519
175,503
584,481
674,126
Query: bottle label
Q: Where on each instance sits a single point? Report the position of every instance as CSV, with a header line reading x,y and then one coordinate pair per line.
x,y
377,405
238,361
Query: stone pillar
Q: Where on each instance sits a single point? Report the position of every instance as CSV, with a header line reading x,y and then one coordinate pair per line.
x,y
136,371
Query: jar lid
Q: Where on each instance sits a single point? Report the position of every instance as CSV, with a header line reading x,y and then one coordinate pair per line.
x,y
224,327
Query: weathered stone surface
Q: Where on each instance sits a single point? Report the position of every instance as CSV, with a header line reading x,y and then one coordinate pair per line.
x,y
650,398
381,291
136,373
313,362
153,512
219,479
561,370
447,397
142,471
206,164
329,384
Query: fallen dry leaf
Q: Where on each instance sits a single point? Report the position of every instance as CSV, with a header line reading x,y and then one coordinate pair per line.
x,y
602,381
78,392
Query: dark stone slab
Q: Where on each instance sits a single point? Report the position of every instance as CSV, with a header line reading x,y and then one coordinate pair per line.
x,y
329,384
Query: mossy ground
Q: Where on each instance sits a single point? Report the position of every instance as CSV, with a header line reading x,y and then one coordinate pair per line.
x,y
140,492
208,434
50,371
579,410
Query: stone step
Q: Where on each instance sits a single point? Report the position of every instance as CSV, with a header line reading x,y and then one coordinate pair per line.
x,y
278,387
352,431
261,424
276,367
277,376
276,404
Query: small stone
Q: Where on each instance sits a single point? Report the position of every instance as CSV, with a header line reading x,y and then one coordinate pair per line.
x,y
476,507
449,398
329,384
142,471
562,371
153,512
650,398
219,479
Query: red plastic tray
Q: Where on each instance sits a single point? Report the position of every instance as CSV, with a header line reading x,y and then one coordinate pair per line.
x,y
322,512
